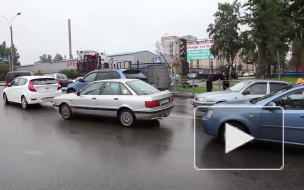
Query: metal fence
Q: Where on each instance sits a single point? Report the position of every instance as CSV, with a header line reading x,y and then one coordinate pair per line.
x,y
191,87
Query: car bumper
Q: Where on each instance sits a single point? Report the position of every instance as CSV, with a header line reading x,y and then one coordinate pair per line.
x,y
210,126
196,103
154,114
40,97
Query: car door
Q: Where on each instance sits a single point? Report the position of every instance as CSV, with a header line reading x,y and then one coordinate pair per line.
x,y
86,81
21,87
293,104
255,90
11,90
86,102
109,100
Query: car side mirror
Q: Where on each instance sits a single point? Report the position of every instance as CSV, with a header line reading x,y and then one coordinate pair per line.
x,y
78,93
270,106
246,92
81,80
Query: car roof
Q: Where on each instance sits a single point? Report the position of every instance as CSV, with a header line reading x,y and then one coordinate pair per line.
x,y
265,80
33,77
116,80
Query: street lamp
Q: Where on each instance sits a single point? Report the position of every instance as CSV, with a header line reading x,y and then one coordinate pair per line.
x,y
12,43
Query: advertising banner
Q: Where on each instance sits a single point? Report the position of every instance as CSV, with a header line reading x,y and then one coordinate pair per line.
x,y
199,52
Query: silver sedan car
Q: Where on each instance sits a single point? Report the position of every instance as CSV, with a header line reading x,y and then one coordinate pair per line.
x,y
245,90
127,99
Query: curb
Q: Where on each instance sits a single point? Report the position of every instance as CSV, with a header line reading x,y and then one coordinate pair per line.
x,y
183,95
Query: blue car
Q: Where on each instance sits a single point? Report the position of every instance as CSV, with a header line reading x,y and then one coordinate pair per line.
x,y
261,119
105,75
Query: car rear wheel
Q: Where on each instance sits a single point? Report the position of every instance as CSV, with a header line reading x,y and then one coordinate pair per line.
x,y
66,112
70,91
24,103
234,124
126,118
5,99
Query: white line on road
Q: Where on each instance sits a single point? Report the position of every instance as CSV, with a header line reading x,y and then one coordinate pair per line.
x,y
188,117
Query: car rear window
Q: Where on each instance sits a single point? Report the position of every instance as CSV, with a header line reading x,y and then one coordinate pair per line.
x,y
134,74
43,81
142,88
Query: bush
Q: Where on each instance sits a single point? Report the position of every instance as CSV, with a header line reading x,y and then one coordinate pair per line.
x,y
70,73
38,73
4,69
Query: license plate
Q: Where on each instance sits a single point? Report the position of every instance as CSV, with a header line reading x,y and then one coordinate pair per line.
x,y
48,99
165,101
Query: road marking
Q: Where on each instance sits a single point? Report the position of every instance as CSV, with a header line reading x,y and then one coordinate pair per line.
x,y
188,117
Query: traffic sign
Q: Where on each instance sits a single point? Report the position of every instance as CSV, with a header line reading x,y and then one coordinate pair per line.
x,y
157,59
5,59
235,138
175,64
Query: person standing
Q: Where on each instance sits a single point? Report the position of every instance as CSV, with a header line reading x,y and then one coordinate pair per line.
x,y
209,82
225,78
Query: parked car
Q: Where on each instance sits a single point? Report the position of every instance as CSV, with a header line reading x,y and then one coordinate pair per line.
x,y
247,89
31,90
262,119
10,76
61,78
197,76
127,99
104,75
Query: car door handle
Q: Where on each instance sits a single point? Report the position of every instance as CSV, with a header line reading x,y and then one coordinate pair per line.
x,y
93,98
115,98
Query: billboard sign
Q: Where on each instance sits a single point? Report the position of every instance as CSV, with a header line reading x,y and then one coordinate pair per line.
x,y
199,52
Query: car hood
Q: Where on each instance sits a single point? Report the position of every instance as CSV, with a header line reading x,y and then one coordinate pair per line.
x,y
216,93
235,103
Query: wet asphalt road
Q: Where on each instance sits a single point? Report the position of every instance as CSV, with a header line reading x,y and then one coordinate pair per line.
x,y
39,150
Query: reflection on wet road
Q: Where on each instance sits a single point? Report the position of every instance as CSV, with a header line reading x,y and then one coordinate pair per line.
x,y
39,150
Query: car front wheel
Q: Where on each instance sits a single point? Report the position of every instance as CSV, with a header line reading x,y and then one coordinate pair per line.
x,y
5,99
66,112
126,118
70,91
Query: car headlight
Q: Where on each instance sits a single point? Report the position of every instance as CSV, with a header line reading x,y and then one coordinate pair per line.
x,y
202,99
209,114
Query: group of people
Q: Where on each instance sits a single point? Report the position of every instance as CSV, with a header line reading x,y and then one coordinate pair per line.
x,y
224,77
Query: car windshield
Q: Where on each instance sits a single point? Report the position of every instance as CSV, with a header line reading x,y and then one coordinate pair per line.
x,y
271,94
142,88
239,86
192,75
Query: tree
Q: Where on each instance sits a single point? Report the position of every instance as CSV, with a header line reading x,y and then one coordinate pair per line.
x,y
38,72
45,58
225,32
6,51
240,67
58,57
4,68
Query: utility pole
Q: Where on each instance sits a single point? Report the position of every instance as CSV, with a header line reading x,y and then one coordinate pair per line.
x,y
12,43
70,39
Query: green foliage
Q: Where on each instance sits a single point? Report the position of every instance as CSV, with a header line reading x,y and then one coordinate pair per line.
x,y
70,73
239,67
225,31
4,68
38,72
45,58
6,51
58,57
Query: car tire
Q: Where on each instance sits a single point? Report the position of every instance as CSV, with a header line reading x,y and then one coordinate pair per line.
x,y
24,103
69,91
126,118
234,124
66,112
5,99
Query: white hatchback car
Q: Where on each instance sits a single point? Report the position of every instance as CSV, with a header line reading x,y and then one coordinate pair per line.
x,y
127,99
32,90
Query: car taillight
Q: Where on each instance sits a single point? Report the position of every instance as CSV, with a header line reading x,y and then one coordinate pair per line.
x,y
59,85
5,84
31,87
152,104
172,98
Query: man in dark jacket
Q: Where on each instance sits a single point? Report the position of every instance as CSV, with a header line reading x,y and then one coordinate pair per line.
x,y
225,79
209,82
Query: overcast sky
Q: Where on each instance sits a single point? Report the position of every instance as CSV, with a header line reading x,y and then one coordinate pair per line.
x,y
112,26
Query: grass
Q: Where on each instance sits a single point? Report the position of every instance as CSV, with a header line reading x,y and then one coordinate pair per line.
x,y
197,89
1,81
287,79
